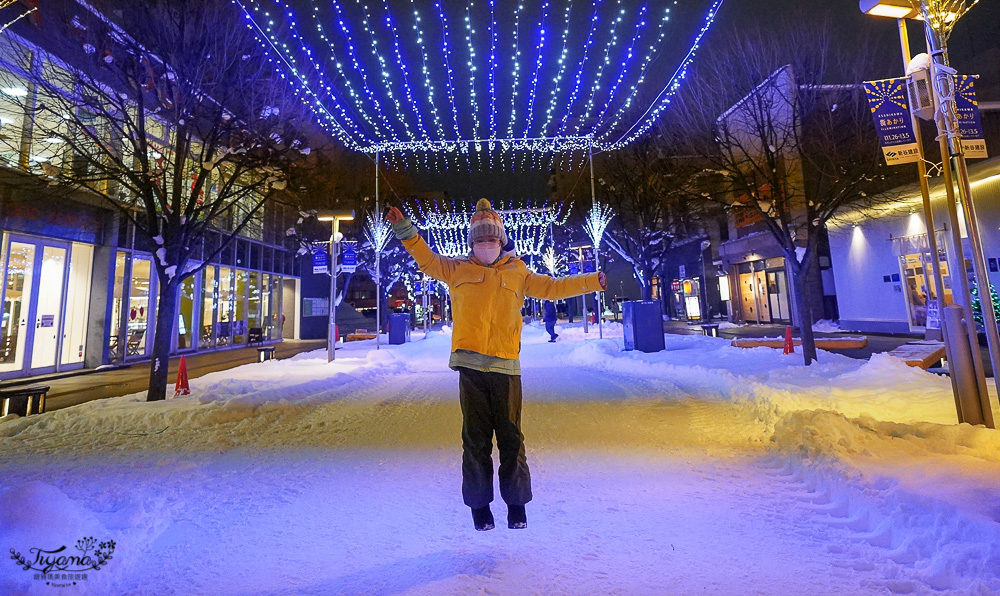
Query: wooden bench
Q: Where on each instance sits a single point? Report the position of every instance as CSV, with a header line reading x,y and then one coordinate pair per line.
x,y
823,343
359,334
920,353
23,401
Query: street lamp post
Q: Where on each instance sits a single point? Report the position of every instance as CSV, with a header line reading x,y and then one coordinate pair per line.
x,y
334,217
939,17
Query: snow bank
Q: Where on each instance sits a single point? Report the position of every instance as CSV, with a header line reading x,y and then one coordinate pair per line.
x,y
928,504
826,326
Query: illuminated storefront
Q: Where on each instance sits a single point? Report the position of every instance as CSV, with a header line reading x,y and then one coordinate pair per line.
x,y
231,303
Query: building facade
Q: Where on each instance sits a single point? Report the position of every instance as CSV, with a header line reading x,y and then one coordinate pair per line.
x,y
80,285
888,285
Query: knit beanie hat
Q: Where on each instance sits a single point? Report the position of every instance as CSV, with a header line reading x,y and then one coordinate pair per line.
x,y
486,222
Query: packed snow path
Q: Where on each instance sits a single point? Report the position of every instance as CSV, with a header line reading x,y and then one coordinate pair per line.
x,y
700,469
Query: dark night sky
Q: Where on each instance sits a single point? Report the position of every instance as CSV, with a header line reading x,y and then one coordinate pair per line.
x,y
973,49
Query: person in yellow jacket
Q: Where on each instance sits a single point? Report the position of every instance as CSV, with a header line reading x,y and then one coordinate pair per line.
x,y
488,288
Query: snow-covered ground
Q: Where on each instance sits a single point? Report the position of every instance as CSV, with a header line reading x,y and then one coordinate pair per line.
x,y
700,469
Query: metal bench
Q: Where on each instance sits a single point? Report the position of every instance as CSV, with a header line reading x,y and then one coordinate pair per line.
x,y
265,353
23,401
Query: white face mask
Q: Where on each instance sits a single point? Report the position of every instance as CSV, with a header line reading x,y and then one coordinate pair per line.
x,y
486,253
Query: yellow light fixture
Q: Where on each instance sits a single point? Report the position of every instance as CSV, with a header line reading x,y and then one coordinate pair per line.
x,y
895,9
899,9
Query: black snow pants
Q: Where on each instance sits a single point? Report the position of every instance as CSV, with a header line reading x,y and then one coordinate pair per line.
x,y
550,327
491,402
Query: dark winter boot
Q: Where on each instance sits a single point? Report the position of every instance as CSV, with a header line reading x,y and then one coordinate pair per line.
x,y
483,518
517,519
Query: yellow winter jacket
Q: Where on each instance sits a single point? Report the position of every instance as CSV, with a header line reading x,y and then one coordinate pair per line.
x,y
486,301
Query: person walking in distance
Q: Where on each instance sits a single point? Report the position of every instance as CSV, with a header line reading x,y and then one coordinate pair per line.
x,y
487,289
549,317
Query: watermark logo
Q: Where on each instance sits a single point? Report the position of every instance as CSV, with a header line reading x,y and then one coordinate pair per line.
x,y
61,567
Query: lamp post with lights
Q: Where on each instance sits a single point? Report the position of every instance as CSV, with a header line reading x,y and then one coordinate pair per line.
x,y
939,17
334,217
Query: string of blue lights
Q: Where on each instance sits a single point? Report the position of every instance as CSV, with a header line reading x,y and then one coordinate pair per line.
x,y
357,76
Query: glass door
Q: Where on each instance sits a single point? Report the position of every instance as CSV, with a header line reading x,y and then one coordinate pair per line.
x,y
138,320
49,309
19,270
33,324
777,292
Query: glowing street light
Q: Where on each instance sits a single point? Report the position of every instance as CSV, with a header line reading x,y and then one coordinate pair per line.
x,y
335,217
940,17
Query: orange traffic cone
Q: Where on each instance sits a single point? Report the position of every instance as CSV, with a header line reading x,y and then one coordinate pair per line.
x,y
789,344
182,388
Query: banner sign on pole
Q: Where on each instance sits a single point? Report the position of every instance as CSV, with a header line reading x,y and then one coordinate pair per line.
x,y
321,261
970,126
588,260
349,257
890,108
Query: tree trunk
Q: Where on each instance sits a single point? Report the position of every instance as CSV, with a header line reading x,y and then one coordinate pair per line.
x,y
803,315
647,286
166,322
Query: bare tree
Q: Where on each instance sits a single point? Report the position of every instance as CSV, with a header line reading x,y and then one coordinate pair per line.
x,y
650,197
169,111
783,144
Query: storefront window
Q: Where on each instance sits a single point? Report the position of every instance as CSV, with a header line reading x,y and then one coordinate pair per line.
x,y
77,303
185,315
13,92
116,347
724,288
138,303
209,298
267,316
692,298
921,293
254,303
48,144
240,305
224,327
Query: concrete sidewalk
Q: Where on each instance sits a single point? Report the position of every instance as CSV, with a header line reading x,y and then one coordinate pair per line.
x,y
77,389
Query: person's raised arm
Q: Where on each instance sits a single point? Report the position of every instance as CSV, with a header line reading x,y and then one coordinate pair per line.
x,y
427,260
551,288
